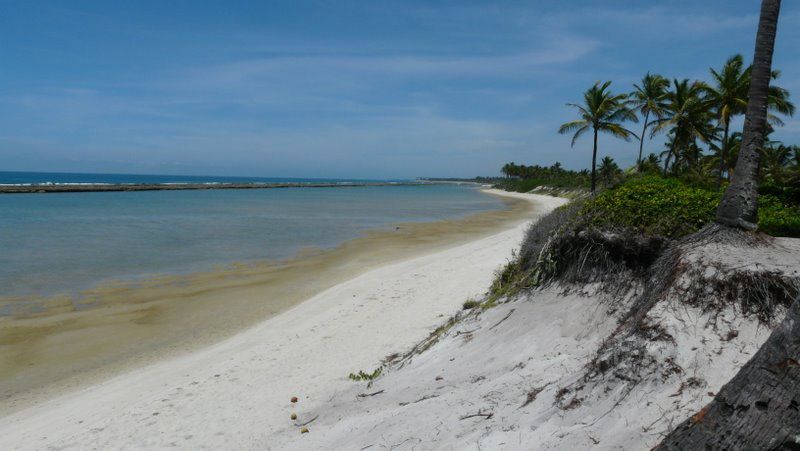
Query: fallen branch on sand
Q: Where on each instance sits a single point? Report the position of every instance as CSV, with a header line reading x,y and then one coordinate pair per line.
x,y
307,422
426,397
364,395
504,318
486,416
533,394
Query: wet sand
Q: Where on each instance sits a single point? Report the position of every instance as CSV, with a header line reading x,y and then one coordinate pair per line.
x,y
127,325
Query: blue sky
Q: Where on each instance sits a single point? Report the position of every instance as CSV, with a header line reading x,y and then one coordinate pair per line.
x,y
342,89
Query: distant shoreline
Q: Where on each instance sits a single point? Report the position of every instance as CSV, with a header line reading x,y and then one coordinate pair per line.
x,y
111,187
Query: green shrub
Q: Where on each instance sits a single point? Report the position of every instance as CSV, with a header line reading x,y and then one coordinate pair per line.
x,y
669,208
778,219
787,193
471,304
652,206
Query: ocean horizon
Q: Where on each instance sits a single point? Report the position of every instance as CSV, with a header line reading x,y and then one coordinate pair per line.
x,y
80,178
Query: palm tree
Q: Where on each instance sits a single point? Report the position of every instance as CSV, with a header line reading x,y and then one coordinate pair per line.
x,y
687,117
604,112
649,98
775,158
608,172
650,165
739,205
794,170
777,101
728,97
732,145
754,428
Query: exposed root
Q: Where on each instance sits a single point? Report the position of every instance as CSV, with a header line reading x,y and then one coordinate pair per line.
x,y
757,293
559,250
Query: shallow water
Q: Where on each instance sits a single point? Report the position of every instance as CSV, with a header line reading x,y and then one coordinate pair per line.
x,y
53,243
56,344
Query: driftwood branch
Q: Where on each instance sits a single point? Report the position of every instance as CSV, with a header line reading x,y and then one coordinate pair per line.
x,y
504,318
364,395
426,397
307,422
486,416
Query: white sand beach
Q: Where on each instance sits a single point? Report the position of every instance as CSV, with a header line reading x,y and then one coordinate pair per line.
x,y
236,394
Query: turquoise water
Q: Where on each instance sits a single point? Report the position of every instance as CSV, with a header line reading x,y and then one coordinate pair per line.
x,y
52,243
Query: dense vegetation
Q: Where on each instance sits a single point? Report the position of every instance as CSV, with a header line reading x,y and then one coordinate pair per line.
x,y
674,191
653,206
670,208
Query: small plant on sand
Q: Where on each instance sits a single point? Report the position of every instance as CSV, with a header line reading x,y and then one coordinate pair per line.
x,y
362,376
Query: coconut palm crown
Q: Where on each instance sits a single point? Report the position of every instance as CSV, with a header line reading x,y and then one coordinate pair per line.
x,y
649,99
601,111
728,97
687,118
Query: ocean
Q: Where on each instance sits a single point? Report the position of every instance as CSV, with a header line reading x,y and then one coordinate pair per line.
x,y
27,178
66,242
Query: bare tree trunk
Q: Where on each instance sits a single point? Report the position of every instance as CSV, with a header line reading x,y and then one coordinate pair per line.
x,y
594,161
760,407
739,206
723,153
641,138
669,156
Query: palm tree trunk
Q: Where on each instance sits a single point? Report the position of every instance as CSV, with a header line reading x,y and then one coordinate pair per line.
x,y
758,408
669,156
723,153
641,138
739,205
594,161
675,163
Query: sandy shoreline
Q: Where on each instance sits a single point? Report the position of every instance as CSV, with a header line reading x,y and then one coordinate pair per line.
x,y
335,324
129,325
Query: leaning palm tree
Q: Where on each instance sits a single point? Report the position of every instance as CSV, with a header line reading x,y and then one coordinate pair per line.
x,y
601,111
739,205
753,410
687,118
728,97
649,98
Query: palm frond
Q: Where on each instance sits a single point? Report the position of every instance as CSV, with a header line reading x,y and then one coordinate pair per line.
x,y
578,134
572,126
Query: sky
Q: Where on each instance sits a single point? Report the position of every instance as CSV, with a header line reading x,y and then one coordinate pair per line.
x,y
370,89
